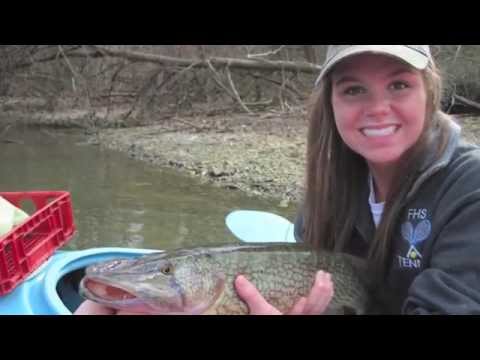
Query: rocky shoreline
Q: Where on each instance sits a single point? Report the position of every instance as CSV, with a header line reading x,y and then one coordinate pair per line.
x,y
261,155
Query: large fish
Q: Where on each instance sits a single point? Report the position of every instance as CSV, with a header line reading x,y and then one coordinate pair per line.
x,y
200,280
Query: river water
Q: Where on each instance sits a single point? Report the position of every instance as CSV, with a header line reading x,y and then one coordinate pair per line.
x,y
118,201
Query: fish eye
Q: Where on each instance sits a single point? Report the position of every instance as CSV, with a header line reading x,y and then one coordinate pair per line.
x,y
167,269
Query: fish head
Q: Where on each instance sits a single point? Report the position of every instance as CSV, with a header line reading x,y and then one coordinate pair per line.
x,y
154,284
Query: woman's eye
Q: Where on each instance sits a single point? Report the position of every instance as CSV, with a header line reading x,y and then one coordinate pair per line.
x,y
354,90
399,85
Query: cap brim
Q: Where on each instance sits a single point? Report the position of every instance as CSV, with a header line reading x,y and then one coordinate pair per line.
x,y
409,55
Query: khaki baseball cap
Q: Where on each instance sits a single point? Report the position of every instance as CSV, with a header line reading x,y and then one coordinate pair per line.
x,y
417,56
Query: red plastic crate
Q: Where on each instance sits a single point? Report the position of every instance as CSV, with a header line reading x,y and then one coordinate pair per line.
x,y
30,244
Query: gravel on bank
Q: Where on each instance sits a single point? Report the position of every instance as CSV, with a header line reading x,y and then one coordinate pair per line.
x,y
260,156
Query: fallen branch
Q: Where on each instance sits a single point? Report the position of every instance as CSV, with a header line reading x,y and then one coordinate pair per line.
x,y
467,102
218,62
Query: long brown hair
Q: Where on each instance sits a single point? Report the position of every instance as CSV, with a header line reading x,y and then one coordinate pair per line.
x,y
335,175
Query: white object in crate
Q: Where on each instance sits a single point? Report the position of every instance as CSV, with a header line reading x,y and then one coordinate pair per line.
x,y
10,216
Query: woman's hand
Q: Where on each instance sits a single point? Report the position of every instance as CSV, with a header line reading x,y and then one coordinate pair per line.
x,y
91,308
314,304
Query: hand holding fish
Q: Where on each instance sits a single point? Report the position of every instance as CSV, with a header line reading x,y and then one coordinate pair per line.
x,y
314,304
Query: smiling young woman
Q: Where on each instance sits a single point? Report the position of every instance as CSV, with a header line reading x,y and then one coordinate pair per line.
x,y
390,179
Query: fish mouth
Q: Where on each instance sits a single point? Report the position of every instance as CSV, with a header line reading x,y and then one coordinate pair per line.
x,y
113,296
120,297
107,292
